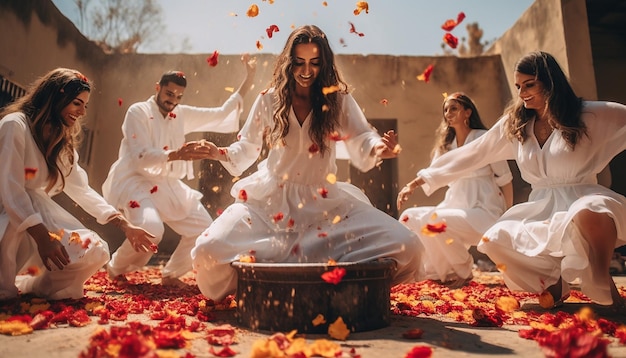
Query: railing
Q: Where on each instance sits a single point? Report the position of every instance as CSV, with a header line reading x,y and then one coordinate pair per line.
x,y
9,91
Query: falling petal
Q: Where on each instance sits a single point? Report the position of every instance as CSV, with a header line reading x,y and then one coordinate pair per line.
x,y
451,40
361,6
213,59
253,10
319,319
270,30
425,76
29,173
330,89
331,178
354,31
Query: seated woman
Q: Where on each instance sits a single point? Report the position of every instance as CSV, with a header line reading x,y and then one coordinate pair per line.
x,y
471,205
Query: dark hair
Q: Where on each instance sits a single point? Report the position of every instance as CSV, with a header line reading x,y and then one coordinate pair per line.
x,y
445,133
177,77
325,107
562,104
42,105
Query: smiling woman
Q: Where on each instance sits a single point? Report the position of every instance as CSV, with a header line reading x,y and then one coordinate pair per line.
x,y
38,136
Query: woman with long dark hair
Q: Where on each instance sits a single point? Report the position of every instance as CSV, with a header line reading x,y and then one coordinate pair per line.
x,y
291,209
38,141
471,204
570,225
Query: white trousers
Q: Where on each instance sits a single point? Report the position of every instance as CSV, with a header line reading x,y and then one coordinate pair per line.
x,y
147,216
18,252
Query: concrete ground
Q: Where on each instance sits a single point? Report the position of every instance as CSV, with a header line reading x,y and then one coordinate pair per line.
x,y
446,337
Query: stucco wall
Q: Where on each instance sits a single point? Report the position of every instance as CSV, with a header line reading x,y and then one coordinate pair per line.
x,y
558,27
41,39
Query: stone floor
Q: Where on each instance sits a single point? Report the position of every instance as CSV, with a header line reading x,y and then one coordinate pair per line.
x,y
446,337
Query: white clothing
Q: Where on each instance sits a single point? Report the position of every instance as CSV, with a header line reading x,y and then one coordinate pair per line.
x,y
292,212
540,233
471,205
24,203
143,175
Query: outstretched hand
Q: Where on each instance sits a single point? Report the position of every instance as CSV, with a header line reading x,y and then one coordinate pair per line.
x,y
388,147
248,82
139,239
403,196
193,150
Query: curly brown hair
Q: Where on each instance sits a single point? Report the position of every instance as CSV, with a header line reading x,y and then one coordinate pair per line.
x,y
563,105
325,108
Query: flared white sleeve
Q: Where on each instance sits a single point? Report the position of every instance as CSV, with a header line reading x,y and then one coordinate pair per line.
x,y
224,119
502,172
359,136
462,161
78,189
246,150
14,198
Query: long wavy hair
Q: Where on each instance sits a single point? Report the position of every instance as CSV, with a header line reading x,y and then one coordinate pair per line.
x,y
562,104
325,107
42,105
446,134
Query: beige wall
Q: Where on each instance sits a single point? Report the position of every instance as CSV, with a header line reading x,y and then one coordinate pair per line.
x,y
45,39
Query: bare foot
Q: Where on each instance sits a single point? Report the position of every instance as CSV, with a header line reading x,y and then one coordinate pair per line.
x,y
172,281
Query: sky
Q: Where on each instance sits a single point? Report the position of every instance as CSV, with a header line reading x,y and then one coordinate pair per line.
x,y
391,27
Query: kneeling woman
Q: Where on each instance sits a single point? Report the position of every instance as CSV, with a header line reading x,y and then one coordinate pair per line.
x,y
39,160
291,210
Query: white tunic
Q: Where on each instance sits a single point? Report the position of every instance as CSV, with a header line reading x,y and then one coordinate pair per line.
x,y
25,203
471,205
563,183
293,210
148,139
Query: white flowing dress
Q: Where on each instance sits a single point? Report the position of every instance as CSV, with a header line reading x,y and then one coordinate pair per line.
x,y
143,176
25,203
471,205
293,211
536,242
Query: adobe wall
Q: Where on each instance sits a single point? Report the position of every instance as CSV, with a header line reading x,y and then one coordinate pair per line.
x,y
42,38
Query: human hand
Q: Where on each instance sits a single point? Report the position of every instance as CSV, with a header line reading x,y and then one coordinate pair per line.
x,y
250,63
49,247
407,190
139,239
388,147
214,151
193,150
403,195
248,82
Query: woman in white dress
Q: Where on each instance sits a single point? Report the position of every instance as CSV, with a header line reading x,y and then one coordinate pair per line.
x,y
291,209
38,140
570,224
471,204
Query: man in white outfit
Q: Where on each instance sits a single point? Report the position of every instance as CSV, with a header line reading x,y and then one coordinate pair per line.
x,y
145,181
